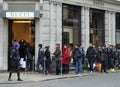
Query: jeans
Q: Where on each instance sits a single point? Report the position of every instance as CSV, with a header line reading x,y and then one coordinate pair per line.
x,y
112,63
78,66
58,66
91,61
39,62
29,64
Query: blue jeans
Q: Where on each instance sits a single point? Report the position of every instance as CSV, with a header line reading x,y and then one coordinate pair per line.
x,y
112,63
78,66
39,62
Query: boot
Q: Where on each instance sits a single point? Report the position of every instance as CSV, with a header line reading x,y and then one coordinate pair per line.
x,y
19,79
18,74
9,79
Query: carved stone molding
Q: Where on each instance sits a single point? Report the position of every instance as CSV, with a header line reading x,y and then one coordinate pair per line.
x,y
98,3
56,3
111,12
86,8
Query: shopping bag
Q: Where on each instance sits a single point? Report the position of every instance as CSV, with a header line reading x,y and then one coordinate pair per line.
x,y
22,63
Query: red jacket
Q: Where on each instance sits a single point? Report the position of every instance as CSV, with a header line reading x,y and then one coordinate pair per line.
x,y
66,56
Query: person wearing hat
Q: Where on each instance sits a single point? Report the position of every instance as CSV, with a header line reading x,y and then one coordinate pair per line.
x,y
15,58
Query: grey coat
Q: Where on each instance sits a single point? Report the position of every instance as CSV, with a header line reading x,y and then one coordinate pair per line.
x,y
41,54
57,54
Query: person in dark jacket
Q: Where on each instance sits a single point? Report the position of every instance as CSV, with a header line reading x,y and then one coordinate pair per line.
x,y
57,54
15,58
91,53
40,60
22,48
29,56
48,59
78,59
112,57
103,57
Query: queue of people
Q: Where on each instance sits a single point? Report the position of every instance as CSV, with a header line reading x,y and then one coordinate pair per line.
x,y
61,60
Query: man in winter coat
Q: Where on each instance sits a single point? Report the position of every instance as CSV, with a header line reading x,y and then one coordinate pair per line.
x,y
57,54
48,59
40,60
15,58
103,57
29,56
66,59
78,59
112,57
91,53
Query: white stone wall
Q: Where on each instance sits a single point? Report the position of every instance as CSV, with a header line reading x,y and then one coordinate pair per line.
x,y
51,24
3,42
110,28
85,27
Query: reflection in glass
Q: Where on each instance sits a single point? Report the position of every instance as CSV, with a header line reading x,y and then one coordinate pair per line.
x,y
118,30
97,34
71,24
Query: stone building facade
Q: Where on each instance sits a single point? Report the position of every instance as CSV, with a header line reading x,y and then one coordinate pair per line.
x,y
58,21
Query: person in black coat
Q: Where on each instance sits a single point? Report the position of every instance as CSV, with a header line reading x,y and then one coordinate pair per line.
x,y
112,57
48,59
29,56
103,57
91,56
15,58
22,48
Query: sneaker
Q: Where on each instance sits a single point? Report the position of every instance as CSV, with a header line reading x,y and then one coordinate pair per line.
x,y
79,74
113,70
19,80
91,72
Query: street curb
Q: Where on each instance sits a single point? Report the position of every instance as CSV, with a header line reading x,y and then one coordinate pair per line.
x,y
56,78
48,79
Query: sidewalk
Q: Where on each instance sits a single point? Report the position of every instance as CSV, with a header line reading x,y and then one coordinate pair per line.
x,y
33,77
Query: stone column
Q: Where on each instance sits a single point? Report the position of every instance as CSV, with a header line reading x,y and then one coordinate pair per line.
x,y
37,37
1,44
5,45
55,24
113,28
59,23
52,27
110,27
106,27
4,41
85,27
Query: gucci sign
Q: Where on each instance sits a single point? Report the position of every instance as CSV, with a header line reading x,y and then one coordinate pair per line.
x,y
20,15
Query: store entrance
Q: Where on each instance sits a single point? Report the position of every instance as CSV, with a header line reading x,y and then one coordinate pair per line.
x,y
22,31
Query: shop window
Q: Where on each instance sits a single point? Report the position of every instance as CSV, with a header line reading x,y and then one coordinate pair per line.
x,y
118,30
97,32
71,24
